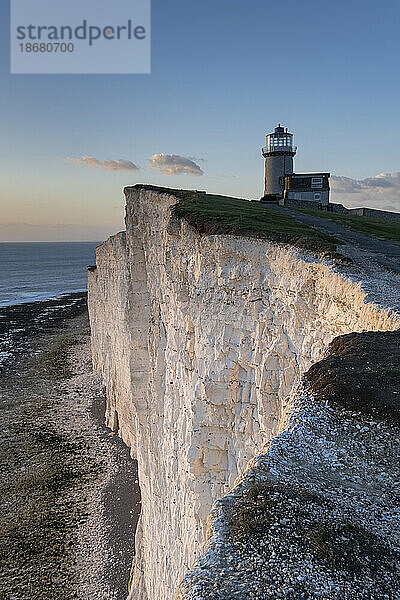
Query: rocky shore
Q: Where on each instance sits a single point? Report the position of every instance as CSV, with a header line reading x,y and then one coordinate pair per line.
x,y
68,489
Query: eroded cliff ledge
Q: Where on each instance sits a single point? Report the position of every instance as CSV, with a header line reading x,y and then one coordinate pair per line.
x,y
202,338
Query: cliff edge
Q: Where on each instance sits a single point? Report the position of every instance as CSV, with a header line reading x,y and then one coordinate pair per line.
x,y
255,480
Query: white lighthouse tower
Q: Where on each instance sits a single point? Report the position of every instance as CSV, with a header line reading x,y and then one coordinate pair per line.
x,y
278,154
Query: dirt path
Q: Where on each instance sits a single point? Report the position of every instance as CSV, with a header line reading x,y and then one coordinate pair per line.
x,y
68,488
385,252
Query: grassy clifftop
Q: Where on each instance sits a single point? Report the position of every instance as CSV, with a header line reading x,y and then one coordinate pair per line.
x,y
212,214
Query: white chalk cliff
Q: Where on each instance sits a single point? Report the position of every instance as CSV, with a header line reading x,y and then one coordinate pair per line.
x,y
202,341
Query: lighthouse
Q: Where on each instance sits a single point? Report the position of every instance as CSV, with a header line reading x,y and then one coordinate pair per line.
x,y
278,154
282,185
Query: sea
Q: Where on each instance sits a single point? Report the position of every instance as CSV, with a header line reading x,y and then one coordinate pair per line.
x,y
36,271
41,285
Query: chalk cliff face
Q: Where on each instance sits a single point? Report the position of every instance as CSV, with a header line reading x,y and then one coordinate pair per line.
x,y
201,341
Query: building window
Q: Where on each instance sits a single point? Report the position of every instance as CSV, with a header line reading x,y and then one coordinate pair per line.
x,y
317,197
316,182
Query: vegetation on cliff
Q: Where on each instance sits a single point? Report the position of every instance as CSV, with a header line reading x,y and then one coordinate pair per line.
x,y
212,214
361,373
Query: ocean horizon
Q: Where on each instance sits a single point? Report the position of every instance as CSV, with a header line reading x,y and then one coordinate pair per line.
x,y
37,271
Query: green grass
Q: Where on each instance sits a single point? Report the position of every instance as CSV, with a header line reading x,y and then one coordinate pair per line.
x,y
389,230
211,214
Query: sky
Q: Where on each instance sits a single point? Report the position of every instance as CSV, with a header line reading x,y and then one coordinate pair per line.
x,y
224,73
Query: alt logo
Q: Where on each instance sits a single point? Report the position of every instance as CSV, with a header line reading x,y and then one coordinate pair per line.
x,y
56,37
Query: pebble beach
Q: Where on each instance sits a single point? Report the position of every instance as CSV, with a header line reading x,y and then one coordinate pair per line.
x,y
69,491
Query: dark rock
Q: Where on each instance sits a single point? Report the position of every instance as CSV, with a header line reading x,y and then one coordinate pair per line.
x,y
361,373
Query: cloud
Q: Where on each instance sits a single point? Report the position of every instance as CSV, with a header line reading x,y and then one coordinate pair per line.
x,y
196,159
381,191
226,176
173,164
119,164
38,225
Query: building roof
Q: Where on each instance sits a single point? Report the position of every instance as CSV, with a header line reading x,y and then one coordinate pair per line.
x,y
308,175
